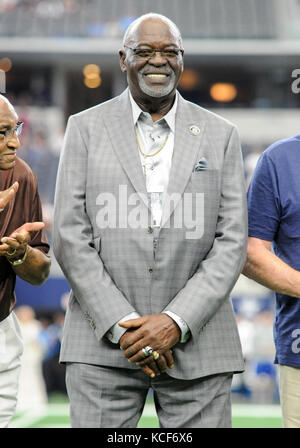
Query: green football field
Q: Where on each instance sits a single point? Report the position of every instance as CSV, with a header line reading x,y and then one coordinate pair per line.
x,y
56,415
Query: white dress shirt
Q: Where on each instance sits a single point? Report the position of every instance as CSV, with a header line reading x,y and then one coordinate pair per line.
x,y
151,136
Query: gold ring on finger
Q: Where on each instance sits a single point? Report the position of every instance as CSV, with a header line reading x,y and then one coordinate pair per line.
x,y
155,355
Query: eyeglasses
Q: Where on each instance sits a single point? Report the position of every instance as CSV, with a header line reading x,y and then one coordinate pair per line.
x,y
142,53
10,132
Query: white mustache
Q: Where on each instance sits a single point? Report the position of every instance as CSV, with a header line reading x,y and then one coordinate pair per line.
x,y
148,68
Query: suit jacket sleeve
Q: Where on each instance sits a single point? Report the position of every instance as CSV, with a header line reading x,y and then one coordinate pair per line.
x,y
100,300
210,286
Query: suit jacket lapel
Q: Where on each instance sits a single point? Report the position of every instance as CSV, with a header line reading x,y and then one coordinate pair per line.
x,y
186,148
119,125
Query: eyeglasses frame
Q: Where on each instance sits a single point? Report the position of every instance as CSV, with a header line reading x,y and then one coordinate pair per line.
x,y
180,50
9,132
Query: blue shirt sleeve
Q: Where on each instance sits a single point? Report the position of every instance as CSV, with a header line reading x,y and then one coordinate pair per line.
x,y
263,200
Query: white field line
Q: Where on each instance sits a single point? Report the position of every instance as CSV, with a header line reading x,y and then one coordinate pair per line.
x,y
238,410
256,410
149,410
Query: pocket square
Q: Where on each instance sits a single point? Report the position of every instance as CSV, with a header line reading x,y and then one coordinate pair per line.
x,y
201,165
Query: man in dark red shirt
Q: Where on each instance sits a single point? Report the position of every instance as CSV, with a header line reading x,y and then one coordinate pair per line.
x,y
23,250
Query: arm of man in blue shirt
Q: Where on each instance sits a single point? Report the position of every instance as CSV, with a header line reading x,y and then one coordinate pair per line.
x,y
265,209
263,266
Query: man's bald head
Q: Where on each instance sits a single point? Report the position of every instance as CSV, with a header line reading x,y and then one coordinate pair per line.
x,y
3,99
131,31
5,104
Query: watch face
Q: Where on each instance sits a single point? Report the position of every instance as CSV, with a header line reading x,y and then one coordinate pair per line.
x,y
15,263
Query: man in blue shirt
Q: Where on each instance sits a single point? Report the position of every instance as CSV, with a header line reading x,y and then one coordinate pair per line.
x,y
273,258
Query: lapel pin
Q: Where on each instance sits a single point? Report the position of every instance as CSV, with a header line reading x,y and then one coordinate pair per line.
x,y
194,130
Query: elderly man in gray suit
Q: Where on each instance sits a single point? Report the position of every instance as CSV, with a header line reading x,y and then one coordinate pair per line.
x,y
150,231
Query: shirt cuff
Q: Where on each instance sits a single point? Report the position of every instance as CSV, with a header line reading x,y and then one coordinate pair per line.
x,y
185,331
115,333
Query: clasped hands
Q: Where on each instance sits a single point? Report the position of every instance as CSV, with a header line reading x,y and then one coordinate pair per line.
x,y
158,331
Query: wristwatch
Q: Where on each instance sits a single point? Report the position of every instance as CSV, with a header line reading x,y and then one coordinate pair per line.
x,y
20,260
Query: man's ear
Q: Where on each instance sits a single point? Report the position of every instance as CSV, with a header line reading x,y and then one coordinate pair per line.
x,y
122,55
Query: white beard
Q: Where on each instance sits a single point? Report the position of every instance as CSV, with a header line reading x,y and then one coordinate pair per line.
x,y
158,91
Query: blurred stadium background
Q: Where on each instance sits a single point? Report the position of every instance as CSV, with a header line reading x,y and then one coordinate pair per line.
x,y
60,57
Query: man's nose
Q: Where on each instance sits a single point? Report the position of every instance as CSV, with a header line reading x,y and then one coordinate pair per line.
x,y
158,59
13,141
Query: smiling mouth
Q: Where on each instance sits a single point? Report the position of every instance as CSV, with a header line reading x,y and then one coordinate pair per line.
x,y
156,75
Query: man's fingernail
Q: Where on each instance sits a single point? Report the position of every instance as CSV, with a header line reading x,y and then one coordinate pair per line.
x,y
152,375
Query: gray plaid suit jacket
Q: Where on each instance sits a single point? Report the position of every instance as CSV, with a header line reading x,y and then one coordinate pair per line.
x,y
108,268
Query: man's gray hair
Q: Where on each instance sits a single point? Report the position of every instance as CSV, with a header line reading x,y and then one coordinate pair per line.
x,y
150,15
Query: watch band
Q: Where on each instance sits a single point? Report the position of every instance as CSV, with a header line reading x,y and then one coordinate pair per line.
x,y
20,260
